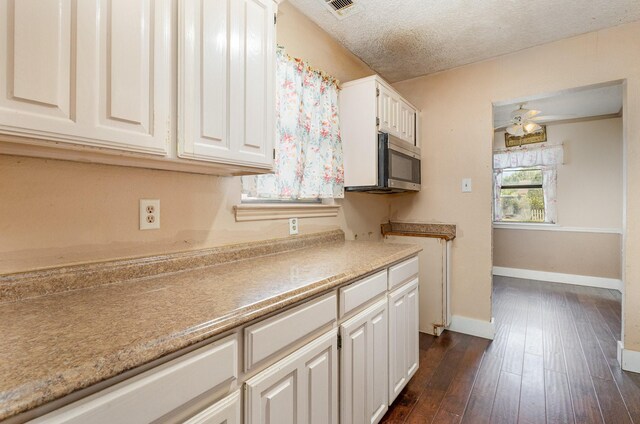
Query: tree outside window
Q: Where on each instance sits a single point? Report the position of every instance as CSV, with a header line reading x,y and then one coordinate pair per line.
x,y
522,195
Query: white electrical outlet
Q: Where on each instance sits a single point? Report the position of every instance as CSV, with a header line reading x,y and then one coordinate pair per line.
x,y
293,226
466,185
149,214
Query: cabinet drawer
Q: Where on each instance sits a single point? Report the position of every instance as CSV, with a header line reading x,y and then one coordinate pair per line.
x,y
403,272
225,411
360,292
151,395
274,334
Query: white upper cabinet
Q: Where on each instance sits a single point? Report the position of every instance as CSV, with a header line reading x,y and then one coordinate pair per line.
x,y
370,105
87,73
226,81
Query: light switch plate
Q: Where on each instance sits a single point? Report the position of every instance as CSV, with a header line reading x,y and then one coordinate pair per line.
x,y
466,185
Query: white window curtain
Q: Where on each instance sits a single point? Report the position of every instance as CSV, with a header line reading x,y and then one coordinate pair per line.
x,y
308,162
546,157
529,156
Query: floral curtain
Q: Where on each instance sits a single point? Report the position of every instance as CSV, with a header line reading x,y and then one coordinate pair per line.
x,y
308,162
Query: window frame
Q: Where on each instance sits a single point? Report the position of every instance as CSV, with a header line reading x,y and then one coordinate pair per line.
x,y
540,186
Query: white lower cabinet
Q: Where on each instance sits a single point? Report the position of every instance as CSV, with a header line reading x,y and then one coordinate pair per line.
x,y
225,411
363,366
301,388
403,336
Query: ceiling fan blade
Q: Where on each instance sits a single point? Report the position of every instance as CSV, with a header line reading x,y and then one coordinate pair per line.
x,y
502,125
530,114
531,127
548,118
516,130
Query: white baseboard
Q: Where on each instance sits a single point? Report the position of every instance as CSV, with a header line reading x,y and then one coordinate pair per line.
x,y
473,327
556,277
629,359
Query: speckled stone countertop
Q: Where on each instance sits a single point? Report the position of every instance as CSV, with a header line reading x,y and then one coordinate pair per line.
x,y
416,229
61,341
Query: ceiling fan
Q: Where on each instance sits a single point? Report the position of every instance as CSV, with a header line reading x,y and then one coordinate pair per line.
x,y
523,121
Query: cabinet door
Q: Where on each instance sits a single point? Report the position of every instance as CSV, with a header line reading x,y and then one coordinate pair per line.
x,y
406,124
385,110
363,369
403,337
252,81
226,97
301,388
225,411
129,71
37,58
87,73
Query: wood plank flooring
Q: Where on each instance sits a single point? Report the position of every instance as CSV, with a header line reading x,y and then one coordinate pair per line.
x,y
553,360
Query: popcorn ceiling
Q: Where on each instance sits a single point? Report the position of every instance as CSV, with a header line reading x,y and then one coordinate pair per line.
x,y
409,38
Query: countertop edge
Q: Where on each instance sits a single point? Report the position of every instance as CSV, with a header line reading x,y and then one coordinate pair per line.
x,y
183,340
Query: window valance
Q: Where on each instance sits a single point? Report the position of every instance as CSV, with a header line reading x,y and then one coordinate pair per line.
x,y
529,156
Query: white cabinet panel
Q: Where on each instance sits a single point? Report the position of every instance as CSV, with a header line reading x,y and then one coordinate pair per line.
x,y
225,411
403,272
158,391
364,364
385,115
359,293
227,81
87,73
133,75
38,61
301,388
272,335
403,337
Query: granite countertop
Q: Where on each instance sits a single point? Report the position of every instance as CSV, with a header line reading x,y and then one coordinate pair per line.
x,y
59,342
416,229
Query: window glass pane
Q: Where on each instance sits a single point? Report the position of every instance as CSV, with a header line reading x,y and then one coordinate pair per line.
x,y
525,176
522,204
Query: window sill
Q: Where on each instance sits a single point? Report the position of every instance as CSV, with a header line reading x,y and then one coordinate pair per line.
x,y
269,211
523,225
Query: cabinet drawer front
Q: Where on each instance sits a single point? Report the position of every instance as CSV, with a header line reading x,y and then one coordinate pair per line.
x,y
158,391
225,411
359,293
270,336
403,272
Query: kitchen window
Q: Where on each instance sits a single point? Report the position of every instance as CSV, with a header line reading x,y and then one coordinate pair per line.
x,y
525,181
308,167
521,196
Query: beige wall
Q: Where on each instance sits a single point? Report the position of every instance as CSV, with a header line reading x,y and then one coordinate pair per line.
x,y
56,212
589,196
591,254
456,131
590,179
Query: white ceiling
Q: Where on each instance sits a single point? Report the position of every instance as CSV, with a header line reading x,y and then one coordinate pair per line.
x,y
409,38
570,104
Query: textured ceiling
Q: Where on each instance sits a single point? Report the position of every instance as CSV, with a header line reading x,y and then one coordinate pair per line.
x,y
578,103
408,38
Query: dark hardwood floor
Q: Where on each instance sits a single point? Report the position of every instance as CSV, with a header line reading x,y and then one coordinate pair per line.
x,y
553,360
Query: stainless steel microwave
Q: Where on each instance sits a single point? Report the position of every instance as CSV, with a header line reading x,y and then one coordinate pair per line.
x,y
398,167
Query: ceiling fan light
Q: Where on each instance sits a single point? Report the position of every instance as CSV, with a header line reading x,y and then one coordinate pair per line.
x,y
516,130
531,127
